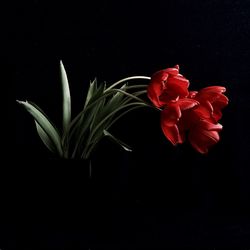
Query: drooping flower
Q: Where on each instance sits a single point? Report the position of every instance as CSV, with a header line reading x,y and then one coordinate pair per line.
x,y
171,116
194,113
201,133
212,101
167,85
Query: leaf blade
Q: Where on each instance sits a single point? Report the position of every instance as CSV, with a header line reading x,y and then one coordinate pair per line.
x,y
45,138
92,89
119,142
45,124
66,99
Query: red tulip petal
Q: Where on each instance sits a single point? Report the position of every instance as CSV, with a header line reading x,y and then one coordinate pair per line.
x,y
204,135
179,80
171,115
176,90
197,146
179,85
206,125
159,76
217,115
171,133
182,136
218,106
215,89
222,101
203,112
187,103
154,91
212,136
202,140
212,94
173,71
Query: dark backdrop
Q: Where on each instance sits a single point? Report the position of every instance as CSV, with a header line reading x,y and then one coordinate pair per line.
x,y
158,196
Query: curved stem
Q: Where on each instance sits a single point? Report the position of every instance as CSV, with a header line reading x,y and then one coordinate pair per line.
x,y
133,96
136,86
127,79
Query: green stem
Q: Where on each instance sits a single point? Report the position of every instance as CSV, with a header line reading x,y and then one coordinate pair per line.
x,y
127,79
131,95
136,86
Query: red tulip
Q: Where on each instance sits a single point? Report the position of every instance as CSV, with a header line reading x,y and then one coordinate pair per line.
x,y
171,116
212,101
203,135
197,119
204,130
195,113
167,85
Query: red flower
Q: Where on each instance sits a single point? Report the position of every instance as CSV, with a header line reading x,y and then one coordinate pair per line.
x,y
212,101
171,116
167,85
193,113
196,119
202,133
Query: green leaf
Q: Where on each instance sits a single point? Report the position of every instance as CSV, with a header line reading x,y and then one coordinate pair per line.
x,y
88,116
115,101
98,108
66,99
87,119
97,132
45,138
122,144
45,124
91,91
108,105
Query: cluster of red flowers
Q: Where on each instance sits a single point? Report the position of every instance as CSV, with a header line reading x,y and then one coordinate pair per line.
x,y
187,113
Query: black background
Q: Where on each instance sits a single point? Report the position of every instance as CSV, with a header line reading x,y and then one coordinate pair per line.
x,y
158,196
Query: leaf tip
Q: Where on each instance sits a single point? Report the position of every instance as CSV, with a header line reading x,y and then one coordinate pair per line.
x,y
61,65
20,102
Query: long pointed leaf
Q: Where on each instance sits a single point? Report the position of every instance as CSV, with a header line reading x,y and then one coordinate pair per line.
x,y
45,124
87,119
91,91
45,138
66,104
122,144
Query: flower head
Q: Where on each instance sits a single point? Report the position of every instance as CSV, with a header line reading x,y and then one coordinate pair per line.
x,y
167,85
194,113
203,135
212,101
171,117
